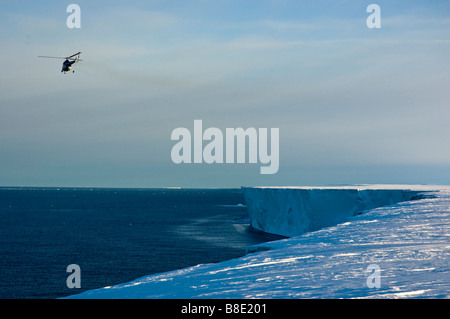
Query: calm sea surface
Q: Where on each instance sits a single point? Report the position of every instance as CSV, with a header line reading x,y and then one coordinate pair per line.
x,y
114,235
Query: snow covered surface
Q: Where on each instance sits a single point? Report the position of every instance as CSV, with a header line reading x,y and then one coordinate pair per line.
x,y
408,241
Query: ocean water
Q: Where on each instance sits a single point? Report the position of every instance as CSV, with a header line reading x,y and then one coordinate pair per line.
x,y
114,235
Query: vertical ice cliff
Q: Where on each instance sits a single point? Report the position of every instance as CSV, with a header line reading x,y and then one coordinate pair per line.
x,y
293,211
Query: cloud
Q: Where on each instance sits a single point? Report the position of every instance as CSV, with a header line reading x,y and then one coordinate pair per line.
x,y
118,21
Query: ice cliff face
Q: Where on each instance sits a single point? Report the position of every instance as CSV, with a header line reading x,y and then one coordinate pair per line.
x,y
294,211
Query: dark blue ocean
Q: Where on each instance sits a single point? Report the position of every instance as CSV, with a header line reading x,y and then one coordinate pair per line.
x,y
114,235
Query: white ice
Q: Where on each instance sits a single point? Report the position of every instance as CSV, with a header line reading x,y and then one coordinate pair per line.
x,y
296,210
409,241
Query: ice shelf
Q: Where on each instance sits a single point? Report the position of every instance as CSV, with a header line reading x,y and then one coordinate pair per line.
x,y
408,241
291,211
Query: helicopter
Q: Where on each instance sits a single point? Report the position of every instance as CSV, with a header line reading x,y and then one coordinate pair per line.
x,y
67,64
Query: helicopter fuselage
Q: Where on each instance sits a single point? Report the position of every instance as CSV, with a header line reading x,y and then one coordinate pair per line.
x,y
67,66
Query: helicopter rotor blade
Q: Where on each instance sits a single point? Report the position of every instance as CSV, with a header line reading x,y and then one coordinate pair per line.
x,y
71,57
78,53
51,57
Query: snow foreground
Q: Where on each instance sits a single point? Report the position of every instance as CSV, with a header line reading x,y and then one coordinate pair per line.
x,y
396,251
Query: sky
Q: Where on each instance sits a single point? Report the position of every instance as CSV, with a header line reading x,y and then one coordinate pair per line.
x,y
353,105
